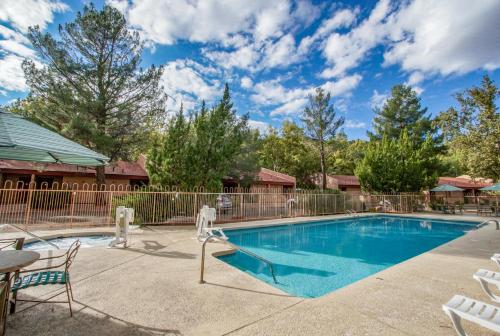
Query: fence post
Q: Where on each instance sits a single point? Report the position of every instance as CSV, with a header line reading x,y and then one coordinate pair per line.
x,y
154,208
28,207
72,208
195,205
110,208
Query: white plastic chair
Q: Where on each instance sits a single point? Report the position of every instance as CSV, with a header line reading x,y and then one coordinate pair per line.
x,y
496,258
478,312
487,278
204,224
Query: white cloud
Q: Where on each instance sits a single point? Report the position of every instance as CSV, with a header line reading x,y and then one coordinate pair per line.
x,y
340,19
26,13
455,37
292,107
354,124
185,83
422,36
345,51
415,78
293,101
262,126
11,74
12,46
166,21
378,99
246,82
342,86
244,58
281,54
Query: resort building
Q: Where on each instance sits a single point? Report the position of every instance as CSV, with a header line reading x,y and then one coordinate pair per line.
x,y
21,173
266,179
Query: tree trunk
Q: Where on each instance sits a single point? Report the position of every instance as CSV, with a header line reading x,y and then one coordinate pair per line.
x,y
100,177
323,165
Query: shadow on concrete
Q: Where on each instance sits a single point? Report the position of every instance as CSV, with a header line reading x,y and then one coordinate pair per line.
x,y
54,320
247,290
153,248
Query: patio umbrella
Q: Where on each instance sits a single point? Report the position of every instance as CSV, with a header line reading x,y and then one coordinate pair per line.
x,y
23,140
446,188
496,188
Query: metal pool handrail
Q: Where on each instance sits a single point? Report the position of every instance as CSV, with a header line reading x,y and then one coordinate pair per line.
x,y
32,235
202,270
486,222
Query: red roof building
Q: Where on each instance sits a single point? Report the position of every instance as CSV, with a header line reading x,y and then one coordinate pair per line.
x,y
23,172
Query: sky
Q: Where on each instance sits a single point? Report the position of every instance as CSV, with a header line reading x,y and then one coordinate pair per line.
x,y
273,54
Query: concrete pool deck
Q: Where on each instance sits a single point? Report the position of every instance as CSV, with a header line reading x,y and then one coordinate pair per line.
x,y
152,288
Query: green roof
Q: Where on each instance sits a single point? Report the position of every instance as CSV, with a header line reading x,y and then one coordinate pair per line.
x,y
23,140
446,187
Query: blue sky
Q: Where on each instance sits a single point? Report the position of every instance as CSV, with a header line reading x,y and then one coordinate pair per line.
x,y
273,53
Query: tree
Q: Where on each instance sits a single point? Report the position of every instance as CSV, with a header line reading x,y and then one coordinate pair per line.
x,y
245,166
167,164
203,151
345,155
473,130
218,135
290,152
321,123
394,165
91,82
402,111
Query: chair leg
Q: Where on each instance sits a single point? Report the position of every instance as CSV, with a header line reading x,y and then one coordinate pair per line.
x,y
488,291
71,290
69,300
455,319
13,302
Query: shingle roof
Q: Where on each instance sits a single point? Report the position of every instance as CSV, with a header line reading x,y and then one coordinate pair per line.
x,y
462,182
270,176
122,168
346,180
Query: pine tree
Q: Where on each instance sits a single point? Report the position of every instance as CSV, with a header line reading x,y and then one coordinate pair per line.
x,y
473,130
402,111
167,163
321,124
91,80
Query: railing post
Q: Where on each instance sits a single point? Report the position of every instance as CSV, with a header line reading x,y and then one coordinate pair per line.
x,y
72,208
110,208
28,207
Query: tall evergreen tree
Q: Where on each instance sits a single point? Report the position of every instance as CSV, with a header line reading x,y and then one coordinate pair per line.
x,y
321,124
402,111
167,164
473,130
398,165
218,137
91,80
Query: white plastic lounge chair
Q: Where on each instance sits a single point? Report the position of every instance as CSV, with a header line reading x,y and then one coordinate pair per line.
x,y
496,258
204,224
486,278
484,314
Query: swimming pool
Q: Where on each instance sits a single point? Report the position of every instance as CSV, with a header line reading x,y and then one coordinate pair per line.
x,y
315,258
65,242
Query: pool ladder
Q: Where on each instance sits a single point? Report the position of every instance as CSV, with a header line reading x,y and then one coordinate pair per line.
x,y
480,225
31,234
236,247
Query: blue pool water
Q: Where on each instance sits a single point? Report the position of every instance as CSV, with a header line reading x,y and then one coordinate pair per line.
x,y
65,242
315,258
